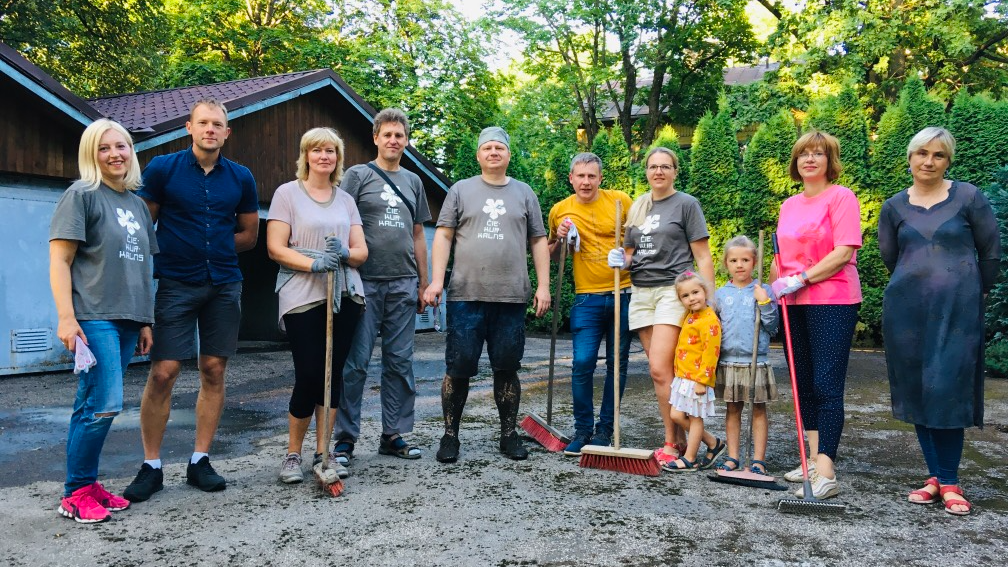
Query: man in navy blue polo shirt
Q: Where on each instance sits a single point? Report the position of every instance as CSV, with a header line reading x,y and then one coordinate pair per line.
x,y
206,209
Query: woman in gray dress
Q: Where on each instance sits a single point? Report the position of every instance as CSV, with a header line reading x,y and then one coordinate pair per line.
x,y
939,239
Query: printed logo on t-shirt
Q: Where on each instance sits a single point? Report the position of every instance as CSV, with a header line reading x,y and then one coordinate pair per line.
x,y
647,245
392,218
492,228
131,248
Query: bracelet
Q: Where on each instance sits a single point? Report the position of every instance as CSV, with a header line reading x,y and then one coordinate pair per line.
x,y
767,302
804,278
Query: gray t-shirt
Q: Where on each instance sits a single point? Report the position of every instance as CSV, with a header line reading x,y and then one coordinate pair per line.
x,y
388,228
112,274
493,224
661,245
310,221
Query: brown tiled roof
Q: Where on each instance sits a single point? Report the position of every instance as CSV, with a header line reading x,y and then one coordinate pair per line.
x,y
746,74
157,111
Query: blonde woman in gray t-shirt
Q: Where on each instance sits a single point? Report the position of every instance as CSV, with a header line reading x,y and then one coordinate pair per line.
x,y
666,235
101,247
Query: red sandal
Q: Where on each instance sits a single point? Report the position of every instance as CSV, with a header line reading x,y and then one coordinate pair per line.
x,y
665,458
926,496
955,501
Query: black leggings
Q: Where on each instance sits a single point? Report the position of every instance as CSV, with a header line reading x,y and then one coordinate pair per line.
x,y
307,334
821,336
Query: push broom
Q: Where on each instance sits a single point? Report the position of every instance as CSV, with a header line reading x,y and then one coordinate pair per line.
x,y
809,504
745,476
539,429
615,458
327,477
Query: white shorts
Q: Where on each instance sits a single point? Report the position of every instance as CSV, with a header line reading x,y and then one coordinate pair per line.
x,y
655,306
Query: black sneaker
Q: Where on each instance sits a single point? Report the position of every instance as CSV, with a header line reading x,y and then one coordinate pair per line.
x,y
448,452
512,447
204,477
148,481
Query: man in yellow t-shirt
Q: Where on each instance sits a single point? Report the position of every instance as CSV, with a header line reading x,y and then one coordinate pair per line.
x,y
591,212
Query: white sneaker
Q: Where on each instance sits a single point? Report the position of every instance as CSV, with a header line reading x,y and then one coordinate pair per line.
x,y
290,469
795,475
822,487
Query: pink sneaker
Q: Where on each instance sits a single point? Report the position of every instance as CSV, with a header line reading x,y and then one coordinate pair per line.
x,y
110,501
83,508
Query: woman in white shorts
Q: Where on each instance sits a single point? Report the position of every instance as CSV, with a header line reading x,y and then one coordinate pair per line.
x,y
666,234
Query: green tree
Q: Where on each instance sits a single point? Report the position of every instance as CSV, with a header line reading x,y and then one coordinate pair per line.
x,y
93,47
666,55
713,178
843,116
997,301
877,44
766,181
980,127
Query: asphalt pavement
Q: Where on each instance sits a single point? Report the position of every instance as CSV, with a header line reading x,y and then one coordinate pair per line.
x,y
485,509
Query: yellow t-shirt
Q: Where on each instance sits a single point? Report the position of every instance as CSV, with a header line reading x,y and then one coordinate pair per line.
x,y
699,347
596,223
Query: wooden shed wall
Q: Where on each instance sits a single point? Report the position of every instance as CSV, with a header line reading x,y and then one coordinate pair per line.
x,y
35,139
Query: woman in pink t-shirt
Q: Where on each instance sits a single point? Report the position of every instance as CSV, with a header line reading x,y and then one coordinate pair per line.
x,y
819,232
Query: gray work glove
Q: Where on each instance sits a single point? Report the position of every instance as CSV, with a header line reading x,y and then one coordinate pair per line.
x,y
326,263
335,246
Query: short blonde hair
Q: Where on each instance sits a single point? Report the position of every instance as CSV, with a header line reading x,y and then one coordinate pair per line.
x,y
691,276
740,241
211,103
317,138
925,136
87,154
817,139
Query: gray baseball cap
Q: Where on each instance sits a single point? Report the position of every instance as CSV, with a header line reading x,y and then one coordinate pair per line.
x,y
494,134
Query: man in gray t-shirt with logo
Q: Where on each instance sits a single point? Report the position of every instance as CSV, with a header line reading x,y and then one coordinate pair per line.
x,y
490,220
393,208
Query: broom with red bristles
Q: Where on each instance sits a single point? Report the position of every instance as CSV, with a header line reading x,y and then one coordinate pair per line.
x,y
539,429
615,458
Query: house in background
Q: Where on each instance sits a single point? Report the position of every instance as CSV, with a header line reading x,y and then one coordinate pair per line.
x,y
41,123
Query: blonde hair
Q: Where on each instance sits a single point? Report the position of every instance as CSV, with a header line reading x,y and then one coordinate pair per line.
x,y
87,154
209,102
740,241
689,276
925,136
642,205
317,138
817,139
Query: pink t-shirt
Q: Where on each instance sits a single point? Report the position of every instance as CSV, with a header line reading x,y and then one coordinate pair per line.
x,y
808,230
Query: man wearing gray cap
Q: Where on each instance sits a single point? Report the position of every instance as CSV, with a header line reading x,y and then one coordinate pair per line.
x,y
489,219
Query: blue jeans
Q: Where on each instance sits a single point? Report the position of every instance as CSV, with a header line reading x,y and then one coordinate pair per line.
x,y
942,450
99,391
591,318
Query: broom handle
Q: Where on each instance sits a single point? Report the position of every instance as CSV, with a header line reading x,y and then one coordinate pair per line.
x,y
327,395
616,331
553,335
791,368
755,353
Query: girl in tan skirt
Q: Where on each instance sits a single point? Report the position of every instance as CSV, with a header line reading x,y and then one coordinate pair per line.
x,y
736,303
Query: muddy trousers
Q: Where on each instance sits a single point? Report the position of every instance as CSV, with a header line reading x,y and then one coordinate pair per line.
x,y
507,395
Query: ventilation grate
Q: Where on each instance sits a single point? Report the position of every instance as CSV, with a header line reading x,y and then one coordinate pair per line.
x,y
31,340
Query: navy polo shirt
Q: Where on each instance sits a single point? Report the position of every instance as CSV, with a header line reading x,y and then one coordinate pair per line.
x,y
197,217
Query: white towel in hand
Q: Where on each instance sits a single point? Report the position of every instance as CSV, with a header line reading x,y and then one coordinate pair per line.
x,y
83,357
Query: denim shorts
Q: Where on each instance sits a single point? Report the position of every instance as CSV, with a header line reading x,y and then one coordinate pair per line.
x,y
471,323
179,306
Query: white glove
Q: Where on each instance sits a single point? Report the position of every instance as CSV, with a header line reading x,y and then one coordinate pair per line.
x,y
786,285
573,237
84,359
617,259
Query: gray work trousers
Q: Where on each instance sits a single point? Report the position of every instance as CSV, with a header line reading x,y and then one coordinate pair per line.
x,y
391,308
